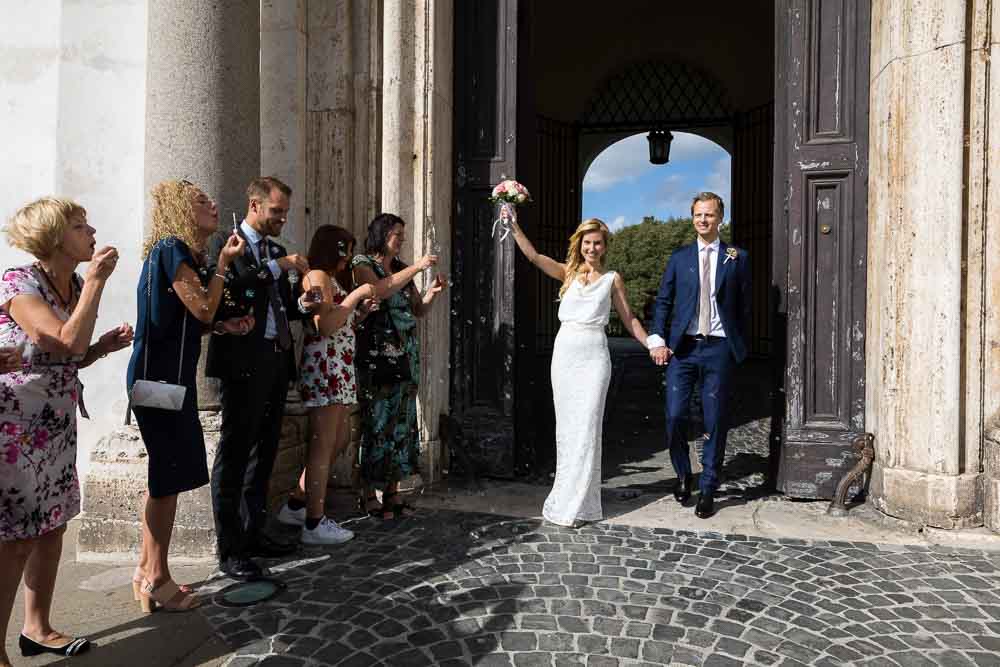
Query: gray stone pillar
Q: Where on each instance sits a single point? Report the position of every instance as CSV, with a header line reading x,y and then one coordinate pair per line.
x,y
203,124
203,105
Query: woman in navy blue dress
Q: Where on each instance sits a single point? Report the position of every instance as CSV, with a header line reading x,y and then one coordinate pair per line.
x,y
177,299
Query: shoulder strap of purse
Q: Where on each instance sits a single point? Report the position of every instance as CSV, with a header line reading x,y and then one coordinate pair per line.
x,y
149,315
149,322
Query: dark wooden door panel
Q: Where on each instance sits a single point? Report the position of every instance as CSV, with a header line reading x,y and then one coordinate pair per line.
x,y
822,151
483,343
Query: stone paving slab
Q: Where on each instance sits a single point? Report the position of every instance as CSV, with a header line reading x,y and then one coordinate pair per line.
x,y
455,588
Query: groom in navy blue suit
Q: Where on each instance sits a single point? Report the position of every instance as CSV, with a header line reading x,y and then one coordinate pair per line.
x,y
705,295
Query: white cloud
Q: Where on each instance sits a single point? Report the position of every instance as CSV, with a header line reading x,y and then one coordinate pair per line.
x,y
623,161
719,181
618,223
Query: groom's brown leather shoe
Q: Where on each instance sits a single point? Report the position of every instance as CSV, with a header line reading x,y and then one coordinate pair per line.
x,y
682,491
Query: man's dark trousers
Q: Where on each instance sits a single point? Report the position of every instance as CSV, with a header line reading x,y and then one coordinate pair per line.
x,y
252,410
707,360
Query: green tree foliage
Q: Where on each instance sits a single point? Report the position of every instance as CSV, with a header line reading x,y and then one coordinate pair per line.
x,y
640,253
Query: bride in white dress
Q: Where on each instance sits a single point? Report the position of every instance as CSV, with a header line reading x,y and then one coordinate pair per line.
x,y
581,366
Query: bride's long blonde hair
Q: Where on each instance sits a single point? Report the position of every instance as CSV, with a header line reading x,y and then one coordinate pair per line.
x,y
574,256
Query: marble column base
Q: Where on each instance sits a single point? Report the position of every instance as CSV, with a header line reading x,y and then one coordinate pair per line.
x,y
928,499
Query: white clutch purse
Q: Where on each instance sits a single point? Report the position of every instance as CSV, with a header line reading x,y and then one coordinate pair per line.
x,y
162,395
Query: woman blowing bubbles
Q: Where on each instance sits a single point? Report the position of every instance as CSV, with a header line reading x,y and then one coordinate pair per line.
x,y
177,298
581,366
49,312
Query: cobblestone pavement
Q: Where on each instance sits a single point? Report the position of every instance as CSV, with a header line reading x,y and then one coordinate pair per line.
x,y
452,588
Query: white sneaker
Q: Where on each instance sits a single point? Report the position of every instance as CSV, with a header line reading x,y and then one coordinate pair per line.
x,y
290,517
327,532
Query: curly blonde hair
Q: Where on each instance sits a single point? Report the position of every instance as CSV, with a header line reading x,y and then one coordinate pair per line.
x,y
173,215
38,227
574,256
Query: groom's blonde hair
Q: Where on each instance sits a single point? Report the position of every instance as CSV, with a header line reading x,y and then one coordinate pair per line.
x,y
574,256
710,196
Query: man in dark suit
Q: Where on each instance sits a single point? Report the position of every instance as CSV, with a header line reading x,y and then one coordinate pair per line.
x,y
255,366
705,295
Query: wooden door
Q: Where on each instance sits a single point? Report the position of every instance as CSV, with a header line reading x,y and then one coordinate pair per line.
x,y
821,156
483,314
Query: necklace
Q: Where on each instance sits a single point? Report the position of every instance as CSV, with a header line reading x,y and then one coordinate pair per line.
x,y
64,302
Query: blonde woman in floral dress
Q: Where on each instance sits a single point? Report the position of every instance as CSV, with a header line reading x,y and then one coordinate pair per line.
x,y
49,312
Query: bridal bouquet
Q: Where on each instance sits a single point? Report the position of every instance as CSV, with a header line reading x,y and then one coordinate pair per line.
x,y
508,195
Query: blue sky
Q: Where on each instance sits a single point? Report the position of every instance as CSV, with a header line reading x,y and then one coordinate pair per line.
x,y
621,186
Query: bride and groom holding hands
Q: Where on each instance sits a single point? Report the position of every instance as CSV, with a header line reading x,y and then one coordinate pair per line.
x,y
704,296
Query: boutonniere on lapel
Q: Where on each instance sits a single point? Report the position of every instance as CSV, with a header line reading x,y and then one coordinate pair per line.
x,y
732,252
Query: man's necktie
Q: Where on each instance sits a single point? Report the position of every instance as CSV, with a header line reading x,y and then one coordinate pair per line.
x,y
274,300
705,301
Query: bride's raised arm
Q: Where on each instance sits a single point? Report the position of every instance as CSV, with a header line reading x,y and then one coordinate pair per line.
x,y
549,266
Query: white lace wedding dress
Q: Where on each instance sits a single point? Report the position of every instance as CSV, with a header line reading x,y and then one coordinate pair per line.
x,y
581,370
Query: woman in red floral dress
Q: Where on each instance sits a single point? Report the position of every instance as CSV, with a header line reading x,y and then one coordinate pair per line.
x,y
327,380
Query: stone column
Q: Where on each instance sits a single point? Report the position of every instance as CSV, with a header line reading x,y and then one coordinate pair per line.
x,y
203,124
417,175
924,355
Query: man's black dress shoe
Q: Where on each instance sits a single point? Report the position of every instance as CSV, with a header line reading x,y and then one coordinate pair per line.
x,y
242,569
705,507
682,491
265,547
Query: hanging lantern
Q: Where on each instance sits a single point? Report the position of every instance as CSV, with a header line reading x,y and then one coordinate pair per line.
x,y
659,146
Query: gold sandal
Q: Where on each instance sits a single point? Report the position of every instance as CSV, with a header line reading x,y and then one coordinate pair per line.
x,y
137,585
168,596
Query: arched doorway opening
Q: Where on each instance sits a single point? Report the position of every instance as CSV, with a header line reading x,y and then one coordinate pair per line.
x,y
782,84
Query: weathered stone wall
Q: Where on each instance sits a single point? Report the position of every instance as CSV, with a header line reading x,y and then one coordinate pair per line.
x,y
932,336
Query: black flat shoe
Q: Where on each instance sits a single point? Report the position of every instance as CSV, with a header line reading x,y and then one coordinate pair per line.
x,y
30,647
705,507
682,491
241,569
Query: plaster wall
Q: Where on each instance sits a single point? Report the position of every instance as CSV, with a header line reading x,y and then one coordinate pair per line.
x,y
72,106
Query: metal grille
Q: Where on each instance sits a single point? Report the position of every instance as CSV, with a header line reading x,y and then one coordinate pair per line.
x,y
753,171
657,94
558,216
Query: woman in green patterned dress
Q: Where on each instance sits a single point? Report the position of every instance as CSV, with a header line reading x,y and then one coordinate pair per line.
x,y
390,438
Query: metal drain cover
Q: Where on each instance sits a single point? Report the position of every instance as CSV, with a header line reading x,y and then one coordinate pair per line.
x,y
248,593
